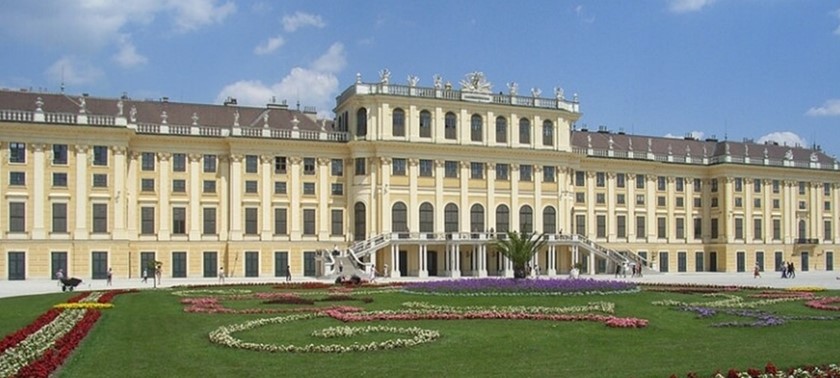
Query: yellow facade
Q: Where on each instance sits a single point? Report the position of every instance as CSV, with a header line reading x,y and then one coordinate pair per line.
x,y
88,185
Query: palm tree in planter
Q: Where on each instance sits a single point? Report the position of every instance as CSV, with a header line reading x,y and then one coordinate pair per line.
x,y
519,247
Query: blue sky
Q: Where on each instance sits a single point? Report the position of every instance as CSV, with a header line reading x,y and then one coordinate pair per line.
x,y
738,69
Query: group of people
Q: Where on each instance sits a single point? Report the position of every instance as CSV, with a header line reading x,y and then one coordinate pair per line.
x,y
621,270
788,271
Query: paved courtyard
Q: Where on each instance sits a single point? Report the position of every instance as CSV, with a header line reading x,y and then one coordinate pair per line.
x,y
828,280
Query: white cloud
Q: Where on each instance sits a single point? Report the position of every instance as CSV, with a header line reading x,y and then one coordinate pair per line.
x,y
837,13
829,108
694,134
193,14
581,14
315,86
73,71
301,19
783,138
270,45
127,55
686,6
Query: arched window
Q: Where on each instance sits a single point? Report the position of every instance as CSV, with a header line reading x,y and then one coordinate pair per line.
x,y
476,128
399,217
427,217
450,125
549,220
524,131
398,123
425,124
477,218
359,215
361,122
501,129
450,218
502,219
526,219
548,133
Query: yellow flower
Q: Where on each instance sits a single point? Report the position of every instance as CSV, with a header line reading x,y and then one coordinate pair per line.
x,y
83,305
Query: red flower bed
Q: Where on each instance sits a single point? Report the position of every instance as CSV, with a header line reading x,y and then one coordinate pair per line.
x,y
14,338
823,303
55,356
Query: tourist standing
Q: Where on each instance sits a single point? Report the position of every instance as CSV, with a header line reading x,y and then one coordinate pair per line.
x,y
145,275
784,269
110,277
59,275
288,274
791,270
757,271
222,274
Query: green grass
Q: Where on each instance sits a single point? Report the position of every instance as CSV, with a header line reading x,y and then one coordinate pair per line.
x,y
148,334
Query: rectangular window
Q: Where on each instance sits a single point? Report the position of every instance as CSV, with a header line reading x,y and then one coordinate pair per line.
x,y
680,227
620,180
679,184
279,187
100,180
17,217
739,202
620,199
698,202
59,179
309,166
714,184
640,199
209,221
147,185
600,179
309,188
100,155
549,173
337,222
827,205
280,221
827,189
739,228
147,161
661,183
337,167
640,181
147,220
309,221
251,163
600,198
100,218
739,184
827,230
661,227
476,171
179,186
660,201
17,178
680,202
251,220
698,228
337,189
758,230
179,220
698,185
714,228
209,186
502,171
360,166
714,202
757,186
280,164
776,185
580,224
580,178
17,152
399,167
426,167
450,169
802,187
776,203
59,217
179,162
777,229
59,154
209,163
580,197
621,226
525,172
250,186
640,226
601,226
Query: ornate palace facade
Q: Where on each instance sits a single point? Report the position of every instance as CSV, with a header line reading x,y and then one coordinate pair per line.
x,y
418,179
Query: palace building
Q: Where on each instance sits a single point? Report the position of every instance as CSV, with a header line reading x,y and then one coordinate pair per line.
x,y
406,180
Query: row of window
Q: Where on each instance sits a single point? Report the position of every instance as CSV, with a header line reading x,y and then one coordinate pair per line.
x,y
680,183
450,127
477,170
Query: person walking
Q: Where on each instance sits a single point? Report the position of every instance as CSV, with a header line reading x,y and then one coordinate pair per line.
x,y
145,275
288,274
109,277
59,275
222,274
757,271
784,269
791,270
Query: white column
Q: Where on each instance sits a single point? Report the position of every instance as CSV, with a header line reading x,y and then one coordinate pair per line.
x,y
195,185
514,198
490,211
421,251
131,194
81,198
383,214
39,231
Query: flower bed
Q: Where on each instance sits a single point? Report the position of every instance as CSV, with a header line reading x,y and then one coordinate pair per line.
x,y
213,305
40,348
823,303
505,286
688,288
771,371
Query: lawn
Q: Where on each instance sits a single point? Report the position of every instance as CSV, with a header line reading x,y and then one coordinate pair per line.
x,y
148,333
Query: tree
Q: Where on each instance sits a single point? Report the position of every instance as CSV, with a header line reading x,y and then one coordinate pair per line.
x,y
519,247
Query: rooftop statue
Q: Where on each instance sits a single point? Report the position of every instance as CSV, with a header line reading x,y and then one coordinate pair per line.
x,y
476,82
